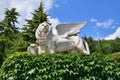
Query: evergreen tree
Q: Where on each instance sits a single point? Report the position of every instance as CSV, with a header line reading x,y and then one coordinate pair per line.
x,y
8,27
29,29
8,31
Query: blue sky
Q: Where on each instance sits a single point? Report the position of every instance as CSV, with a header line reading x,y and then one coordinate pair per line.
x,y
102,16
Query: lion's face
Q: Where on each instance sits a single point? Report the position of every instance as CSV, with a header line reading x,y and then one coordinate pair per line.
x,y
44,27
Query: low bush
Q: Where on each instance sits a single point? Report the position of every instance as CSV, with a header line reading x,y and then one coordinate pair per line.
x,y
60,67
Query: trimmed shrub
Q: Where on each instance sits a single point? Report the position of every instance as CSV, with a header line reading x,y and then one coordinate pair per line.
x,y
60,67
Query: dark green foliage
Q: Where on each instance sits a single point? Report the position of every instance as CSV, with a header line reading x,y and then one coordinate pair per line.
x,y
8,47
8,31
8,25
60,67
1,60
103,46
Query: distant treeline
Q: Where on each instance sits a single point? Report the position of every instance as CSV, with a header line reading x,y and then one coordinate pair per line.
x,y
103,46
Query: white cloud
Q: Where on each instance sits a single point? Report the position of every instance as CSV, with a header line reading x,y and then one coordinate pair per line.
x,y
114,35
56,5
55,22
48,4
3,4
24,7
104,24
93,20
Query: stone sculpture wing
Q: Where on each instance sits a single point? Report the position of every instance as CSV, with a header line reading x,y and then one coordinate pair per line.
x,y
69,29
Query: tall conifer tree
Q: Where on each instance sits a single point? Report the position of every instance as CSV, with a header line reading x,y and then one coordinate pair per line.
x,y
8,30
8,27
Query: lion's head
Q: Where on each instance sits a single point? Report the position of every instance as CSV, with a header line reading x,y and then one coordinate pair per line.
x,y
44,27
43,31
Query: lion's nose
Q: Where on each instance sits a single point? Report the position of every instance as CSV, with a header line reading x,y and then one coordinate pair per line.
x,y
45,26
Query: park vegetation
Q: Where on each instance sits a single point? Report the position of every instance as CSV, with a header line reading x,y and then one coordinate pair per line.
x,y
60,66
16,64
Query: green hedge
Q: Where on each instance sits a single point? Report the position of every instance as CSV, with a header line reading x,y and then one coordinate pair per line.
x,y
60,67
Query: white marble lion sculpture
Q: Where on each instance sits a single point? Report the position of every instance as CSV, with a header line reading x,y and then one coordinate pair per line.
x,y
65,40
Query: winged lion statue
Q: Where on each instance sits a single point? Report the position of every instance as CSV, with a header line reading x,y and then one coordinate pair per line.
x,y
66,39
